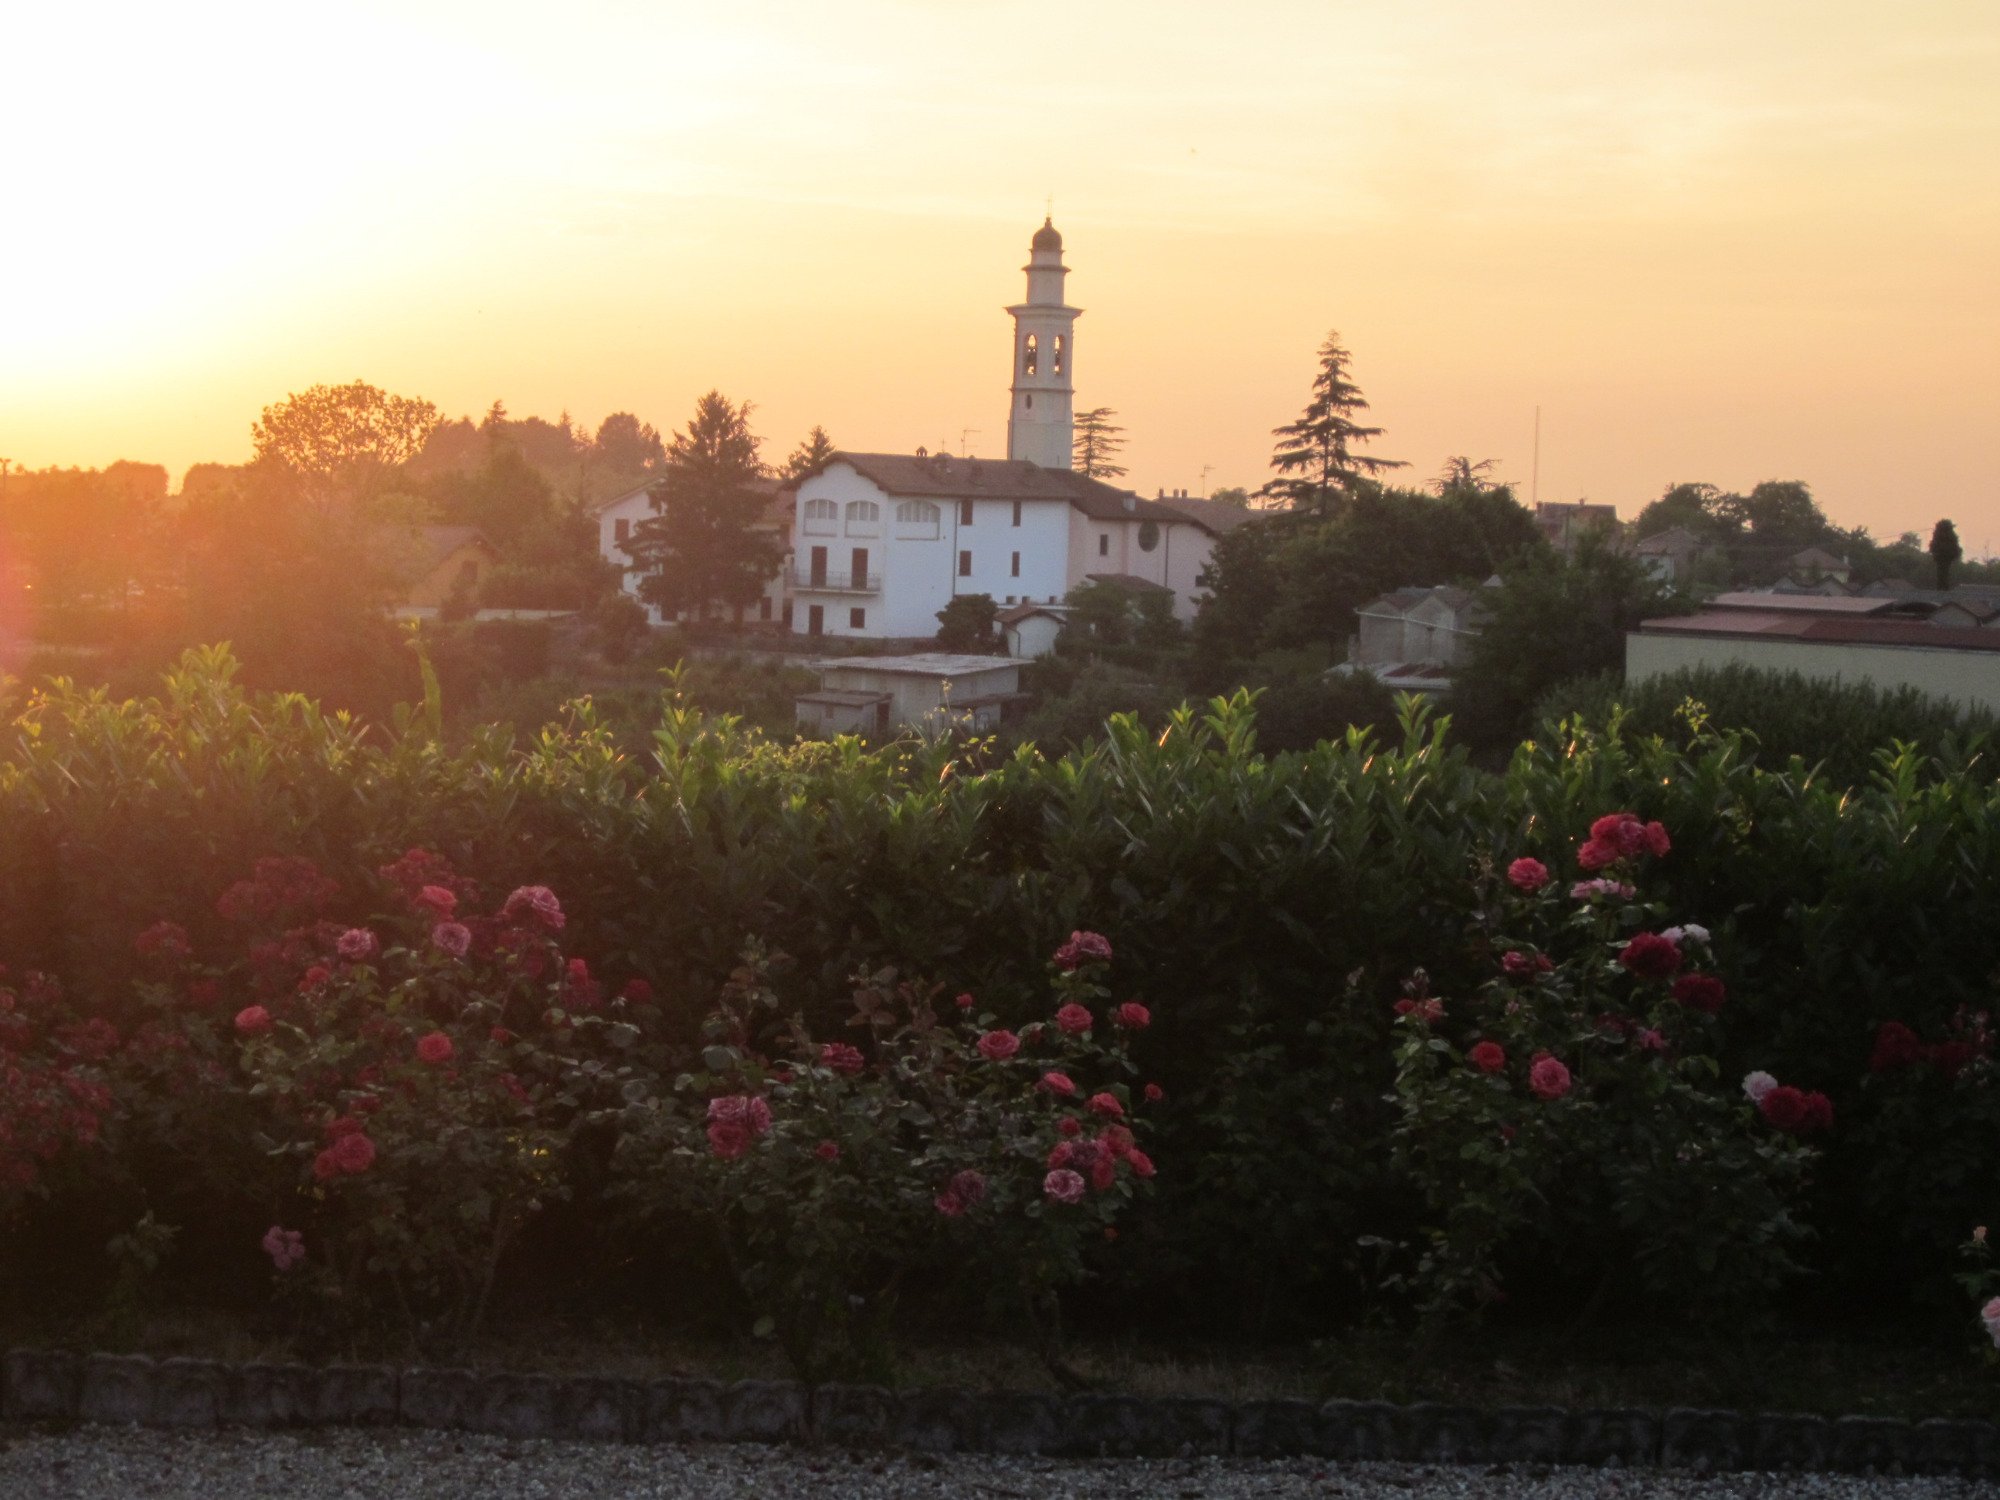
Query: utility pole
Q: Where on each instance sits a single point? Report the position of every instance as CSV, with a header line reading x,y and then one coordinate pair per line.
x,y
963,434
1535,474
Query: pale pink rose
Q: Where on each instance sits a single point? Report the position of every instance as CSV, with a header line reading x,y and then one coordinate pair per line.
x,y
1757,1085
1063,1185
1990,1316
355,944
454,938
1548,1078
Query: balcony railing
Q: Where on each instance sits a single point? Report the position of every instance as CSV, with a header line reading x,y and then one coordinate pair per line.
x,y
832,582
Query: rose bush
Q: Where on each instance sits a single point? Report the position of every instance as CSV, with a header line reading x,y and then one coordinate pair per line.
x,y
1572,1105
832,1170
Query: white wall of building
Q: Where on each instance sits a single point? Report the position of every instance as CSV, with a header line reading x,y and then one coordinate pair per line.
x,y
1968,677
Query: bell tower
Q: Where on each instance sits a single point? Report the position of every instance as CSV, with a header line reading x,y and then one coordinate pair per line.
x,y
1040,420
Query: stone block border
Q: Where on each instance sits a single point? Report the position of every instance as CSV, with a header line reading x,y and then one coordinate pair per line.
x,y
61,1386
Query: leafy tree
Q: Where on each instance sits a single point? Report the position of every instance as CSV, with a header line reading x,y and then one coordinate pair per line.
x,y
1316,460
814,450
1701,509
1096,444
1945,551
1782,513
1231,494
1551,619
338,444
701,545
625,445
1462,475
966,623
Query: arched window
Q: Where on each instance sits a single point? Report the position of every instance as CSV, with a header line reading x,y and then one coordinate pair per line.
x,y
917,520
864,518
1030,355
822,518
1059,355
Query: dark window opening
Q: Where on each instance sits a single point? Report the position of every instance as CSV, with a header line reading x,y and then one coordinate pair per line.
x,y
815,619
860,567
1017,513
620,530
1104,544
965,565
1017,566
857,619
965,512
1030,356
1029,402
1059,354
818,574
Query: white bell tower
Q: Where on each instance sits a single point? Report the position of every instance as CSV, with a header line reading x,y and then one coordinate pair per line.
x,y
1040,423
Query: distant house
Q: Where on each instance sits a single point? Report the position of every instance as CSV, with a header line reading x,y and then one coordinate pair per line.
x,y
1816,563
1890,643
1412,638
1566,523
878,694
1031,629
1669,555
619,516
443,560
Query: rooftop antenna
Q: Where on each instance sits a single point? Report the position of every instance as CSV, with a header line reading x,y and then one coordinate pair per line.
x,y
1203,481
1535,473
963,434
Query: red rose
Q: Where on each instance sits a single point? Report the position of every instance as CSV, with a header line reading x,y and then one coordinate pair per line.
x,y
1596,854
164,939
1950,1058
1103,1172
500,1036
353,1152
434,1048
1657,842
998,1046
1074,1019
1783,1107
1650,955
342,1125
1154,1093
1057,1083
439,901
949,1204
827,1151
1133,1016
1069,1125
1896,1046
842,1058
637,991
728,1139
1702,992
969,1187
1488,1057
253,1020
963,1002
1527,875
1105,1104
1819,1112
1140,1163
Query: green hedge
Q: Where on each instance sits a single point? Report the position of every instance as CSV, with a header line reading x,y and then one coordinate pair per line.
x,y
1266,908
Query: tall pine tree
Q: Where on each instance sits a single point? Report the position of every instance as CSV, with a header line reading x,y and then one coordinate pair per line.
x,y
1315,457
815,450
701,545
1094,448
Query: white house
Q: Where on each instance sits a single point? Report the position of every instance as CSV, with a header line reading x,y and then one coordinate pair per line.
x,y
885,540
1412,638
1031,629
617,517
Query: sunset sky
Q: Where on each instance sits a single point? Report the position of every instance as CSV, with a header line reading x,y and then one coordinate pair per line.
x,y
1722,242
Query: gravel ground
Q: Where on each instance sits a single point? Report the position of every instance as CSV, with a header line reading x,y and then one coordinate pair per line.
x,y
112,1463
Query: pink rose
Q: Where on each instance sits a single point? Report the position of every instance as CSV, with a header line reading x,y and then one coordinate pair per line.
x,y
842,1058
355,944
728,1139
1105,1104
1548,1078
1527,875
1083,948
1069,1125
434,1048
1063,1185
352,1153
1154,1093
949,1204
747,1110
164,939
1990,1316
1057,1083
969,1187
1073,1019
637,992
1133,1016
963,1002
998,1046
286,1247
1140,1163
1488,1057
534,904
253,1020
454,938
827,1151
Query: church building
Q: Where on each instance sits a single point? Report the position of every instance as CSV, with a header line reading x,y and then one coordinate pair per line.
x,y
883,541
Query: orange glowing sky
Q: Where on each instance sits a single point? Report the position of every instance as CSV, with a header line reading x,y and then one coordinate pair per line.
x,y
1721,242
